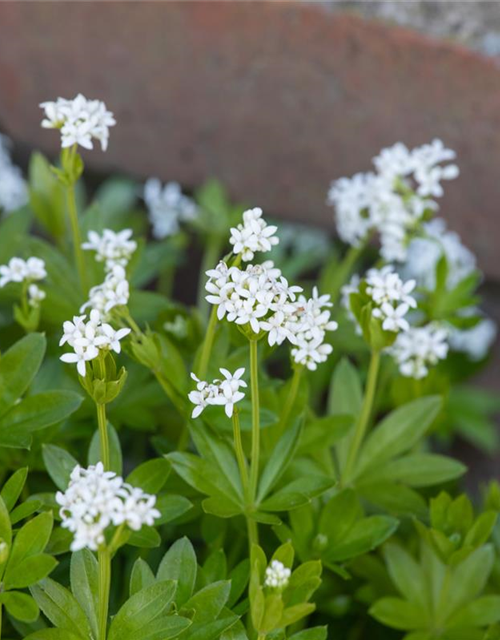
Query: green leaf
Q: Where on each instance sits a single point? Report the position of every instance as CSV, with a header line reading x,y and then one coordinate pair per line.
x,y
204,476
478,613
13,487
469,579
364,536
115,452
5,524
163,628
406,574
47,196
36,412
30,571
151,475
141,609
346,393
395,498
18,367
212,447
171,507
59,464
20,606
53,634
61,608
141,577
398,433
179,564
146,537
297,493
211,630
25,509
416,470
398,614
30,541
209,601
84,584
281,457
316,633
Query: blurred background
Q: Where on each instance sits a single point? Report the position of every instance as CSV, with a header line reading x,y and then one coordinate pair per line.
x,y
273,99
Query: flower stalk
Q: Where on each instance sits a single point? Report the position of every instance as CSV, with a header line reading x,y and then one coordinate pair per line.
x,y
364,416
104,560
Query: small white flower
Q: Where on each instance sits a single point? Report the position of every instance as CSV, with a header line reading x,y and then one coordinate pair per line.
x,y
277,575
475,342
95,500
168,207
418,348
13,189
253,235
80,121
111,248
19,270
35,295
89,338
224,393
113,292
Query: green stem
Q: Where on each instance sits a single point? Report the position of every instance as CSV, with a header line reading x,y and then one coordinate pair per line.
x,y
240,454
262,636
104,560
345,268
365,414
207,345
209,261
77,239
254,384
253,532
102,421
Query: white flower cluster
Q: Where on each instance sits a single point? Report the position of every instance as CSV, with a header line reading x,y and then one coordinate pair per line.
x,y
13,189
224,393
113,292
261,298
88,338
80,121
277,575
393,200
390,297
168,207
418,348
476,341
253,235
112,248
30,271
425,252
96,499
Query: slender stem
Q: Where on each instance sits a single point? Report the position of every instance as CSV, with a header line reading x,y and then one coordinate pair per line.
x,y
207,344
102,421
209,260
104,560
253,532
254,383
345,268
365,414
77,239
240,454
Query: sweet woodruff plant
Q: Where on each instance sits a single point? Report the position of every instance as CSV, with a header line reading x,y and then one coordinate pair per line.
x,y
260,464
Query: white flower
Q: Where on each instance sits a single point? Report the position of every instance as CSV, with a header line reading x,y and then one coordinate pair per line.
x,y
425,252
393,200
418,348
389,294
167,207
277,575
80,121
476,341
35,295
111,248
19,270
253,235
89,338
225,392
113,292
13,189
95,500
